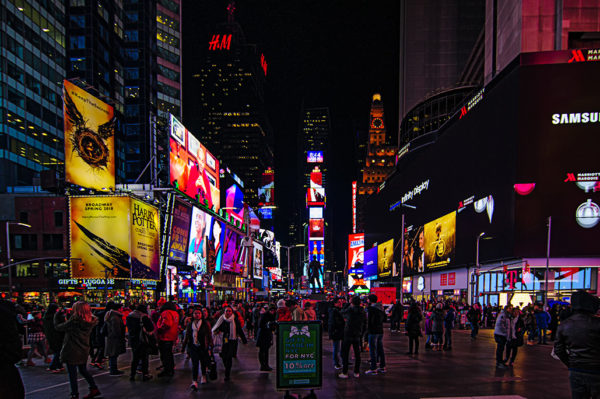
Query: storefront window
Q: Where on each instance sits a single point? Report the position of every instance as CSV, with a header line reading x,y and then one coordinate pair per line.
x,y
493,282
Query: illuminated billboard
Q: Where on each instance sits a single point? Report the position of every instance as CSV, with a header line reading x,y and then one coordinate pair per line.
x,y
205,242
316,229
266,191
316,179
314,157
370,265
315,196
440,240
193,170
234,202
385,258
356,247
180,231
234,253
257,261
315,212
145,241
316,251
89,139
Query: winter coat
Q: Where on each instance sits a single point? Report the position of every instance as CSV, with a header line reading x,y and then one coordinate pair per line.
x,y
429,323
284,314
55,338
11,350
449,319
168,325
375,318
135,320
76,345
336,324
578,342
437,319
224,328
298,314
542,319
115,333
356,323
310,314
264,336
413,324
503,324
205,340
397,312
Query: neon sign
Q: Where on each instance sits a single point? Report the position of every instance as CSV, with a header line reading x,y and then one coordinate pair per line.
x,y
219,42
314,157
354,189
263,64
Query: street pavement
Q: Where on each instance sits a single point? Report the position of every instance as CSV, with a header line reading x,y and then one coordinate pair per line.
x,y
465,372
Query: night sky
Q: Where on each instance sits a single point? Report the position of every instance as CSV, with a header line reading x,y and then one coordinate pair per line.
x,y
328,53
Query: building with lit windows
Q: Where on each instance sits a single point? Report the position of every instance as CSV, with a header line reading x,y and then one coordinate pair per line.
x,y
32,67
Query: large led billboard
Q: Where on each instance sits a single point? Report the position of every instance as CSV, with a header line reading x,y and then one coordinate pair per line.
x,y
266,191
316,229
180,231
145,241
315,212
370,265
356,247
193,170
314,157
234,253
316,251
205,250
385,258
257,261
315,197
232,194
440,240
89,125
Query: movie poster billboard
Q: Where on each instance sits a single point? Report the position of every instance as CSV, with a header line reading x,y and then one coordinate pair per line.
x,y
180,232
266,191
356,247
233,252
370,265
206,236
385,258
145,241
440,241
257,261
89,125
193,170
414,250
100,237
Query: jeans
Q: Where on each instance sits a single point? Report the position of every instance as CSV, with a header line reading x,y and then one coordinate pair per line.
x,y
227,356
511,351
72,369
541,335
263,357
139,355
474,329
376,350
165,349
112,364
501,341
346,344
199,356
584,385
415,341
337,346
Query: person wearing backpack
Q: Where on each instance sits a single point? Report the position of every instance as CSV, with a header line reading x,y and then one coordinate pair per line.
x,y
138,323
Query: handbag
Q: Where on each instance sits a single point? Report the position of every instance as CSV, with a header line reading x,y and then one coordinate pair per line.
x,y
217,343
212,368
148,340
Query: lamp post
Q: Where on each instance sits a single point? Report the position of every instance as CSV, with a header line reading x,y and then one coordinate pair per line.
x,y
8,261
288,261
477,266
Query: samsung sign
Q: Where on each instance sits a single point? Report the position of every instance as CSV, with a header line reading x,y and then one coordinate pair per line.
x,y
575,118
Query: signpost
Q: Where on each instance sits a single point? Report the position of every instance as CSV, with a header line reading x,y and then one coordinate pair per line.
x,y
299,356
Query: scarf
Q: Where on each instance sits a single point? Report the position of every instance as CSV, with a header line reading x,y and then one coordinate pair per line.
x,y
231,321
196,324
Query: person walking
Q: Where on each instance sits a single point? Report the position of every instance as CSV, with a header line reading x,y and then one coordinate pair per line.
x,y
354,328
296,311
501,334
115,337
283,312
449,320
474,318
36,339
335,329
98,340
11,350
437,327
578,346
553,326
229,325
138,324
396,316
517,331
167,328
54,337
76,346
264,336
375,319
542,320
413,328
309,311
198,342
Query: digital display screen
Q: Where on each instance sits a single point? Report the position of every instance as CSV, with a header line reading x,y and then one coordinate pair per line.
x,y
370,266
316,228
205,246
385,258
266,191
234,253
356,247
234,202
315,196
180,231
266,213
257,261
314,157
315,212
316,251
440,239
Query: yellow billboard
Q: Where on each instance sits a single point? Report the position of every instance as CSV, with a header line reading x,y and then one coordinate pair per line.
x,y
100,237
89,139
145,241
385,258
440,241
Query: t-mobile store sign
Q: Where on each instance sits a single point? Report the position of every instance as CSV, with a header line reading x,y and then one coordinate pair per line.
x,y
447,279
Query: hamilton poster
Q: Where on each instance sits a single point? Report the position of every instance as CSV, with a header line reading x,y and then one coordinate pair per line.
x,y
100,237
89,139
145,241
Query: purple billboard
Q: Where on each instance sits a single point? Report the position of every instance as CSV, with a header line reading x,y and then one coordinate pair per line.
x,y
180,230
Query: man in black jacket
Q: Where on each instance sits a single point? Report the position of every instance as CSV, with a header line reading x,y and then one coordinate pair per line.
x,y
578,346
336,330
11,351
356,324
375,319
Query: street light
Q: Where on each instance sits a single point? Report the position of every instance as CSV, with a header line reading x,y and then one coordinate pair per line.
x,y
8,252
288,261
477,265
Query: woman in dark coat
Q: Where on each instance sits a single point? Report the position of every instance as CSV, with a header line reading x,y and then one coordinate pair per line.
x,y
198,342
115,336
229,325
413,328
55,338
76,346
264,337
136,321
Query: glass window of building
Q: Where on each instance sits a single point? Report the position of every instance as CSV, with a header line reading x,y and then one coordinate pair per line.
x,y
77,42
58,218
131,36
132,73
77,21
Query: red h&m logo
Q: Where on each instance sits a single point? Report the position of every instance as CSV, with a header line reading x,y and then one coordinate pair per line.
x,y
577,56
220,43
510,278
463,112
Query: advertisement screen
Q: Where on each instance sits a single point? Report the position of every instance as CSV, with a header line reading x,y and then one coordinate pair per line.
x,y
266,191
385,258
193,170
233,252
257,261
314,157
316,179
234,202
180,230
145,241
316,229
89,139
356,247
440,239
205,251
370,267
316,252
414,250
315,212
315,196
100,237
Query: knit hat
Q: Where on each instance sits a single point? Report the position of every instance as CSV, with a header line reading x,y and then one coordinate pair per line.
x,y
281,303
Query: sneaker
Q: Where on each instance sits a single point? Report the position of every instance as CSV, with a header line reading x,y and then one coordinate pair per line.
x,y
501,366
337,367
381,370
94,392
116,373
194,386
343,376
373,372
356,375
203,380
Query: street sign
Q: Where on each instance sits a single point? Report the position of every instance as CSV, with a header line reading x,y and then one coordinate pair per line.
x,y
299,355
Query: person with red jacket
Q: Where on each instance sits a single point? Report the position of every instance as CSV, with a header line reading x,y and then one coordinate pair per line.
x,y
283,312
167,333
